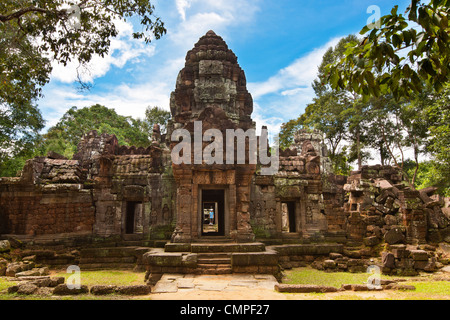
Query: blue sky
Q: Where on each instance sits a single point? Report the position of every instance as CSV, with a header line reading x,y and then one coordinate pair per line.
x,y
279,44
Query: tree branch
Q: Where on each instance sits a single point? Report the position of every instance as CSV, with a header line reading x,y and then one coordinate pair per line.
x,y
21,12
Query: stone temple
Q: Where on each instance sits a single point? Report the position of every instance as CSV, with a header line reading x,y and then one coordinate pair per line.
x,y
123,206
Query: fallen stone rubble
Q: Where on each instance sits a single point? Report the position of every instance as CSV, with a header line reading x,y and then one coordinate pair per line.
x,y
306,288
55,286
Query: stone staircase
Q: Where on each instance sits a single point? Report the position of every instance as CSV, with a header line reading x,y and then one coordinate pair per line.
x,y
110,258
214,263
211,258
216,258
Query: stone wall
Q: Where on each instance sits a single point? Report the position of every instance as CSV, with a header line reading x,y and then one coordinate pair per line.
x,y
305,182
47,199
91,193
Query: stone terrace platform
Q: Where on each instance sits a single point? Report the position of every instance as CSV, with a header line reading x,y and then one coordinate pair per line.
x,y
212,259
227,258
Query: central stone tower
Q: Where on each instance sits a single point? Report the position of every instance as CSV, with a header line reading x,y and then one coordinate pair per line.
x,y
211,90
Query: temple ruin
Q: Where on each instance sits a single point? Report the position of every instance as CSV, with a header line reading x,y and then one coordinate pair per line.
x,y
125,206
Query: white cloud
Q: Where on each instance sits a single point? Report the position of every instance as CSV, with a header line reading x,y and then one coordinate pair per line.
x,y
195,26
123,48
295,77
286,94
157,75
182,6
126,100
207,15
273,124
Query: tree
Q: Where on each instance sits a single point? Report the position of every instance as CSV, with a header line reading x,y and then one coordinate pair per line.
x,y
77,29
34,33
62,30
64,137
338,113
394,127
374,66
156,115
437,113
287,132
22,70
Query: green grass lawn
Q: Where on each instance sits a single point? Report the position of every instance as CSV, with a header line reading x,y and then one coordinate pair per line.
x,y
4,284
430,290
331,279
107,277
88,278
426,288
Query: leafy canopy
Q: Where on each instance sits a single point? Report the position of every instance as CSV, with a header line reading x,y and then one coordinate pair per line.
x,y
377,65
35,33
64,137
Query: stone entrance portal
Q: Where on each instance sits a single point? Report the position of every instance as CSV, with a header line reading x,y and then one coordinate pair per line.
x,y
289,216
133,218
213,213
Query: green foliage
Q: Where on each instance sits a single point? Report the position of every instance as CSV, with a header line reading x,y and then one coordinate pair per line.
x,y
333,279
64,137
432,110
77,29
22,71
156,115
429,175
355,120
33,34
288,131
338,113
374,66
109,277
437,112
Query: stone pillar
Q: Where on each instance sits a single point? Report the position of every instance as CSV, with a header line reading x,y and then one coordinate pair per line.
x,y
182,233
244,228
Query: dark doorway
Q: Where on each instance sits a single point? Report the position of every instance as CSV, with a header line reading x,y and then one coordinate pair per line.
x,y
131,217
288,217
213,212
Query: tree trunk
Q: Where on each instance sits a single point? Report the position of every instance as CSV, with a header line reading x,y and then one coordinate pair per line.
x,y
383,160
416,157
358,149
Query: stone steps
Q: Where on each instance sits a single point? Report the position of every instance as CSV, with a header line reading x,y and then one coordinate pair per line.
x,y
215,269
214,263
218,258
223,240
203,248
227,247
110,257
107,266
